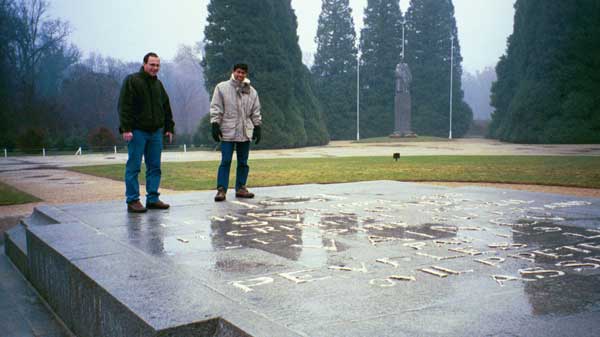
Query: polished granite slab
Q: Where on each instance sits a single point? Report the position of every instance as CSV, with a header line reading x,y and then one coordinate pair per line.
x,y
379,258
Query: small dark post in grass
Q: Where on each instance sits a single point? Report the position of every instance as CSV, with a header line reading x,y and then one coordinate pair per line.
x,y
396,156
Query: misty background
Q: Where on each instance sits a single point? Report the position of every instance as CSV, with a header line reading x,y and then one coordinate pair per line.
x,y
62,63
117,29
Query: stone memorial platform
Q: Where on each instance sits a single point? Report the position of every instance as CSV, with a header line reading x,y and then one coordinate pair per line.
x,y
362,259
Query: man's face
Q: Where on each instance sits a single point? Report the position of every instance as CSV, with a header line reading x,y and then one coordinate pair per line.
x,y
152,66
239,74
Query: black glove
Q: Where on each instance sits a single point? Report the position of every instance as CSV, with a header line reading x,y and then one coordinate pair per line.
x,y
256,135
216,132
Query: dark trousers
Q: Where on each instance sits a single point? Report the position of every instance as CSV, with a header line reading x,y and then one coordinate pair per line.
x,y
242,150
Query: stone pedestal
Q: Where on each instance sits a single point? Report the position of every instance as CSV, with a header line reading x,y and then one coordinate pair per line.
x,y
402,122
402,102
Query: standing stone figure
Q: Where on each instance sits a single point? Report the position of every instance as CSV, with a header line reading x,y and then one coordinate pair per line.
x,y
402,102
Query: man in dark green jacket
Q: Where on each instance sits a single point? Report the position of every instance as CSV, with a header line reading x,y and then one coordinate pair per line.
x,y
145,115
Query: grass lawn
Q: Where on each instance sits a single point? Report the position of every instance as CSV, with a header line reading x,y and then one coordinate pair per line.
x,y
543,170
11,196
403,140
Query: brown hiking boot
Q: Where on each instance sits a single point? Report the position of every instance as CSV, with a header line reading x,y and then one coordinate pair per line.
x,y
136,207
244,193
157,205
221,194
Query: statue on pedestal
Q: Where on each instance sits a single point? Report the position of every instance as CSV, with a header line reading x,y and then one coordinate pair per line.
x,y
402,102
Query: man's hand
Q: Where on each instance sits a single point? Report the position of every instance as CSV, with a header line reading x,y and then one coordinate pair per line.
x,y
170,136
127,136
216,132
257,134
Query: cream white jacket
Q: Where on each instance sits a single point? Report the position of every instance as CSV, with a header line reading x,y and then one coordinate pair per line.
x,y
236,108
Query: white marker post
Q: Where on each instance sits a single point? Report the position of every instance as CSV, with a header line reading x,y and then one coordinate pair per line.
x,y
451,74
358,96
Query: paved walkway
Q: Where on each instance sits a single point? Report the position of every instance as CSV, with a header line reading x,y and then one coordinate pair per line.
x,y
469,146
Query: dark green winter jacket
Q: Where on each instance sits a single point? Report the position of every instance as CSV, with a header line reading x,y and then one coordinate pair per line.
x,y
144,104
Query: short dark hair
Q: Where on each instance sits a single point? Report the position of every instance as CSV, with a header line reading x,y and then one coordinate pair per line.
x,y
242,66
147,56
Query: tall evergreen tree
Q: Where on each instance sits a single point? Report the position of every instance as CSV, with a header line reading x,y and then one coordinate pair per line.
x,y
548,80
429,26
263,34
8,79
334,68
381,45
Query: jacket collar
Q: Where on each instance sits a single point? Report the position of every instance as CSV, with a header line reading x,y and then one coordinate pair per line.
x,y
243,86
145,75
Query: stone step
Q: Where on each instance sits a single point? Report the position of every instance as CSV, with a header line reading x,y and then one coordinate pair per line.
x,y
101,287
48,215
16,240
16,248
22,313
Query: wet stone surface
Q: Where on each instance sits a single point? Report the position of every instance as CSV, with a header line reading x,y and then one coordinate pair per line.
x,y
376,258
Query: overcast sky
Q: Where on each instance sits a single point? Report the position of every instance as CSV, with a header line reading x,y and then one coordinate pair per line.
x,y
127,29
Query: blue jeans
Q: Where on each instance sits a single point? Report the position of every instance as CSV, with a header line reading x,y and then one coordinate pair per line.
x,y
149,145
242,150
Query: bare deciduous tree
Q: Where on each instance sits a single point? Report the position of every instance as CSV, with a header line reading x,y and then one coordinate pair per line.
x,y
184,81
37,36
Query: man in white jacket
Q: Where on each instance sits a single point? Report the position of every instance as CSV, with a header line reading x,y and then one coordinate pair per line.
x,y
235,119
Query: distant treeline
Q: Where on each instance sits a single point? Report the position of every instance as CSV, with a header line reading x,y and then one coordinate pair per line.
x,y
546,89
303,107
50,97
53,98
549,79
